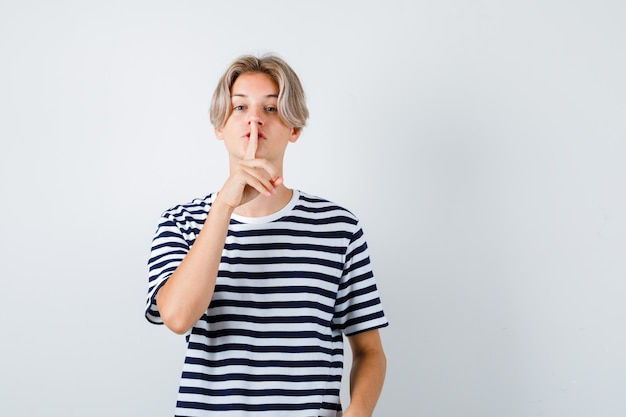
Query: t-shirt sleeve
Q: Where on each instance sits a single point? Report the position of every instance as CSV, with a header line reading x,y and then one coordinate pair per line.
x,y
168,250
358,307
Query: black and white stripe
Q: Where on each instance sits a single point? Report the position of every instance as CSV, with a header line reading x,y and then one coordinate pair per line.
x,y
289,285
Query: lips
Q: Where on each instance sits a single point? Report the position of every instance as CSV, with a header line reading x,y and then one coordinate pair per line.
x,y
260,135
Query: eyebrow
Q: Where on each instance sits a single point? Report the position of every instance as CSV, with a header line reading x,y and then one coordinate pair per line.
x,y
244,95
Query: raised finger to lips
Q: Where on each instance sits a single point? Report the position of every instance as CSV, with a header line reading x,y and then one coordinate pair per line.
x,y
253,142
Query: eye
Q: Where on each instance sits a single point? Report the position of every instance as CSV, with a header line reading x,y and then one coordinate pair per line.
x,y
240,107
271,109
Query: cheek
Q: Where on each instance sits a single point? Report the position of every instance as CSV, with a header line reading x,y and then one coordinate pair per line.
x,y
231,125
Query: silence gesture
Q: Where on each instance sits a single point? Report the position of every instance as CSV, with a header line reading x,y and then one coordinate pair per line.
x,y
251,176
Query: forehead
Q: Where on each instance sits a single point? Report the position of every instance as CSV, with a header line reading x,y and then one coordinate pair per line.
x,y
254,84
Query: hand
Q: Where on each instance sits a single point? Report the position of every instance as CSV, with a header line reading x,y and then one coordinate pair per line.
x,y
252,176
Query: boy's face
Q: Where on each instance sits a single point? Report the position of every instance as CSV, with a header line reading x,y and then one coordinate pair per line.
x,y
254,97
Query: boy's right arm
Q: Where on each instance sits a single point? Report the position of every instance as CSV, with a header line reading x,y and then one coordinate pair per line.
x,y
186,294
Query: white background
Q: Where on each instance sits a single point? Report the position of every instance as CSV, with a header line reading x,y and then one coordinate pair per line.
x,y
482,144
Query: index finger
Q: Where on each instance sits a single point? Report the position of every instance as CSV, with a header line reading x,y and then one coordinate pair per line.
x,y
253,142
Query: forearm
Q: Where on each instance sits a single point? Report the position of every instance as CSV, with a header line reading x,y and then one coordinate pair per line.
x,y
186,295
367,376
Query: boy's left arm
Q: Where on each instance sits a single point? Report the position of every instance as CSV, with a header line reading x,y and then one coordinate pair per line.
x,y
369,366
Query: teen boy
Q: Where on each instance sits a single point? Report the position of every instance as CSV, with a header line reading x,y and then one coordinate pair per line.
x,y
262,279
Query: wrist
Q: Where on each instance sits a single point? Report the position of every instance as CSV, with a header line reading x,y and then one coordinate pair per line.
x,y
219,204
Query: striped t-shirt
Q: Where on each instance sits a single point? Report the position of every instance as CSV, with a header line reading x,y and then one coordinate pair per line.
x,y
289,285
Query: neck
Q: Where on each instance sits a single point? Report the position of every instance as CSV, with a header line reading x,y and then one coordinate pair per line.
x,y
264,205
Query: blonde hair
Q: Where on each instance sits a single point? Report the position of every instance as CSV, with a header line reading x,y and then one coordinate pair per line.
x,y
291,99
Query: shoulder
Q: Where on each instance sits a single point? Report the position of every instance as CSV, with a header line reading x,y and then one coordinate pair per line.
x,y
310,200
195,210
319,207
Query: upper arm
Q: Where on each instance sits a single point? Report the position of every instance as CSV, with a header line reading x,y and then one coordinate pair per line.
x,y
169,247
366,342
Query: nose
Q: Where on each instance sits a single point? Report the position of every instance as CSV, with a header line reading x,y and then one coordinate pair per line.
x,y
255,116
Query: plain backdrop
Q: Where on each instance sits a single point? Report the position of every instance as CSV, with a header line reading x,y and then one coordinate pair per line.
x,y
482,144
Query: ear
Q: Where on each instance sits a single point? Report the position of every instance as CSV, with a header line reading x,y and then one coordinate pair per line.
x,y
295,134
219,133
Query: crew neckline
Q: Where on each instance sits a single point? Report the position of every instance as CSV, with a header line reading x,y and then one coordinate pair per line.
x,y
295,195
